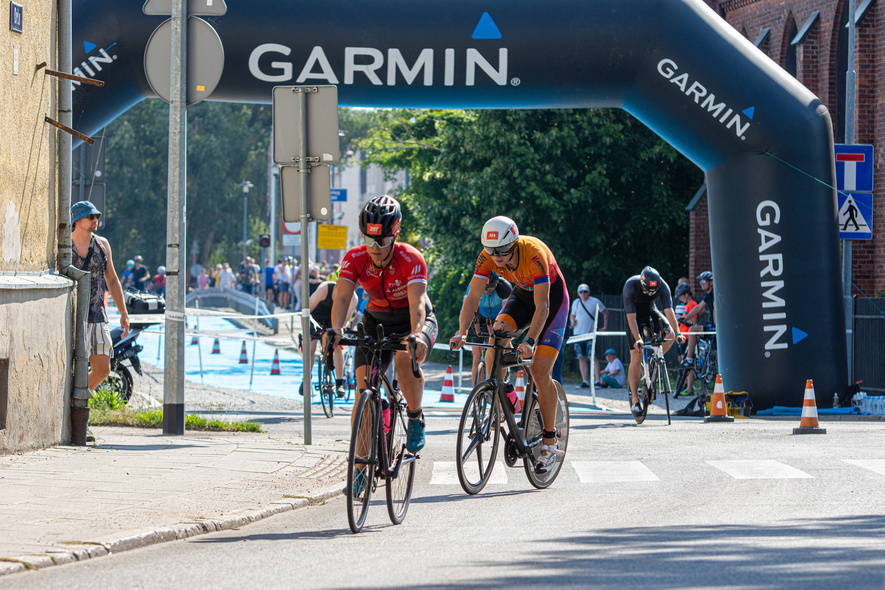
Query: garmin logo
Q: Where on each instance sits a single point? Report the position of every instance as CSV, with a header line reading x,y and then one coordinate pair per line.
x,y
706,100
363,64
774,315
94,64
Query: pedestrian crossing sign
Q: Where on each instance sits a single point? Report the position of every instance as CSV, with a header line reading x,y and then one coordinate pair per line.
x,y
855,216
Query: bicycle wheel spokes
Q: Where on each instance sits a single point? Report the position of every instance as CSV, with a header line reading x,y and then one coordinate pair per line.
x,y
534,432
361,463
478,438
401,463
327,393
349,375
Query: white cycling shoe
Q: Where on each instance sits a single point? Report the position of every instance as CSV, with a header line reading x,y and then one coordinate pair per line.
x,y
546,462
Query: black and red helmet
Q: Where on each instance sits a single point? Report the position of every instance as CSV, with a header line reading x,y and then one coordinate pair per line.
x,y
381,217
650,280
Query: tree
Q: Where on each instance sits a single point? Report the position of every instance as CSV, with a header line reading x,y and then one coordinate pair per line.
x,y
597,186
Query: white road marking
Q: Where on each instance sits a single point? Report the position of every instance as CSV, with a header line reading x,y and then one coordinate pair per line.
x,y
758,469
612,471
877,465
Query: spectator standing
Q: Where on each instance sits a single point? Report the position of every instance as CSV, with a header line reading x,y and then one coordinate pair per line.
x,y
270,292
92,254
583,321
296,284
127,274
159,281
203,279
140,274
283,276
613,375
226,278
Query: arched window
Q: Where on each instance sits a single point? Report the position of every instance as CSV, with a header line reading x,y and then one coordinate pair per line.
x,y
790,49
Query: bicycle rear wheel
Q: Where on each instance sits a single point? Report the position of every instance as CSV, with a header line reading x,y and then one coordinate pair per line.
x,y
361,462
534,432
349,375
327,391
478,438
402,463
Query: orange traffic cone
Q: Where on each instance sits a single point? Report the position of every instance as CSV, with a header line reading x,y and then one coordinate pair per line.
x,y
719,408
244,358
520,391
808,423
448,388
275,367
216,348
195,339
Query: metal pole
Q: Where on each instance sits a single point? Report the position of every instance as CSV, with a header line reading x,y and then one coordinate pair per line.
x,y
850,77
245,219
173,386
303,171
273,171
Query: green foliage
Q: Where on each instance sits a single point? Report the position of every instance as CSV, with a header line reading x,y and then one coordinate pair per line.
x,y
598,187
105,398
122,416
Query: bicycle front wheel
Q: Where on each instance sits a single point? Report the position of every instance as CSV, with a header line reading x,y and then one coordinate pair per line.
x,y
646,394
401,463
478,438
534,431
327,391
361,462
481,372
349,375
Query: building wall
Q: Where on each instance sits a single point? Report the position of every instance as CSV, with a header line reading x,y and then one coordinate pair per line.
x,y
817,69
35,303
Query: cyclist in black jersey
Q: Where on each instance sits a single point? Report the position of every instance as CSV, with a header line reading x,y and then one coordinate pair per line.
x,y
321,312
640,293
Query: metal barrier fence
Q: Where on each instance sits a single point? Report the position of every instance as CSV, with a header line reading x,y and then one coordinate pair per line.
x,y
869,344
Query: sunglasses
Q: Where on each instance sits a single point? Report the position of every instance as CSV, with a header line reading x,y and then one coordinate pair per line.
x,y
93,216
498,251
381,242
703,282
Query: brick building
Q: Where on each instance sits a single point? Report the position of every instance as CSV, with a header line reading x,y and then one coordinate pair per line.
x,y
809,39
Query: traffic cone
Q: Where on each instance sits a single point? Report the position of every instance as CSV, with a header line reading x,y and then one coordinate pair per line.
x,y
719,407
520,391
448,388
244,357
195,339
808,423
216,348
275,367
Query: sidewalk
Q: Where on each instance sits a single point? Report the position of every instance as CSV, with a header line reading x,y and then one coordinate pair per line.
x,y
136,487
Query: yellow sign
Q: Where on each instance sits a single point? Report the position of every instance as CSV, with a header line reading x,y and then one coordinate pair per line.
x,y
331,237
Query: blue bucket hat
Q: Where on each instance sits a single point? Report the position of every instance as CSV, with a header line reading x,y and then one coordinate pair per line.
x,y
81,209
611,351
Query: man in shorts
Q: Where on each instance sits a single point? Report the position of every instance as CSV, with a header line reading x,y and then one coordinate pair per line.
x,y
93,254
640,293
583,320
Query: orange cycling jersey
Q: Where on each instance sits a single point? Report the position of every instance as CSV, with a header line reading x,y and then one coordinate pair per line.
x,y
535,264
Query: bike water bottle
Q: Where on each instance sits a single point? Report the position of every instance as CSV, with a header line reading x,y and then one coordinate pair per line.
x,y
511,395
835,400
385,415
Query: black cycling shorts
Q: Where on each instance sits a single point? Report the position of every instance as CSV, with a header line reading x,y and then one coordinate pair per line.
x,y
653,323
398,321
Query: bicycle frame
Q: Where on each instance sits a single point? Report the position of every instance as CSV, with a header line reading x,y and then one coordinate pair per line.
x,y
653,354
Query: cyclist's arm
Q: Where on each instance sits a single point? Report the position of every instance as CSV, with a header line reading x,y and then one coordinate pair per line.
x,y
605,323
671,317
542,310
417,292
351,311
633,325
341,303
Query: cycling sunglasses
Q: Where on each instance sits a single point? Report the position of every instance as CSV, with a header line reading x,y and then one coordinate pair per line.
x,y
380,242
703,282
94,216
498,251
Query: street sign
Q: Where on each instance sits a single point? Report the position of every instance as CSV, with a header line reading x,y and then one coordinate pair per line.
x,y
194,7
339,195
321,106
205,60
854,168
855,216
319,206
332,237
16,17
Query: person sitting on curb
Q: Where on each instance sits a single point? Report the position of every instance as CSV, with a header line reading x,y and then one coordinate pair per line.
x,y
613,375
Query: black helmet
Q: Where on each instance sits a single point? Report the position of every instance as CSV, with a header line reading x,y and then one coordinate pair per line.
x,y
650,280
682,289
381,217
705,276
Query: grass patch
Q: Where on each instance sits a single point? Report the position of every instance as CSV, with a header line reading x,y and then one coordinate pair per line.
x,y
104,416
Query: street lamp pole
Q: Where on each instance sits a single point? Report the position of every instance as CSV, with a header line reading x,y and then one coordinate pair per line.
x,y
246,185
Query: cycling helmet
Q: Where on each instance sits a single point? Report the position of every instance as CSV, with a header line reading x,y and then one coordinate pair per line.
x,y
139,259
493,280
705,276
381,217
650,280
130,263
161,270
682,289
498,235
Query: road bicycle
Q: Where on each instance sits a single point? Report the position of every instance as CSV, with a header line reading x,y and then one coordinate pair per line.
x,y
706,366
654,378
480,425
378,441
325,383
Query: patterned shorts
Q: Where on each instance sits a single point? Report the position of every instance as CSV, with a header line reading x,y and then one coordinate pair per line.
x,y
98,340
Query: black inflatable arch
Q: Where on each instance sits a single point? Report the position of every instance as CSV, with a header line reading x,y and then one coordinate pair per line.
x,y
674,64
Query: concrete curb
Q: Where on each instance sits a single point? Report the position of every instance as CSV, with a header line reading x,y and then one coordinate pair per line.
x,y
14,565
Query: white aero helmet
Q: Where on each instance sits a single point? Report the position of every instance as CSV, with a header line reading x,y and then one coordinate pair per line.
x,y
498,235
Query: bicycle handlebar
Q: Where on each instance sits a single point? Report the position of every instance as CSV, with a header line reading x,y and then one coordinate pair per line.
x,y
382,343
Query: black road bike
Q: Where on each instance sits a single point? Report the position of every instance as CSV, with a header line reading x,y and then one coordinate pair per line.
x,y
378,453
654,378
480,425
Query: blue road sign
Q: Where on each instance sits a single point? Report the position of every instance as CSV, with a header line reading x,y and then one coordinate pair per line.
x,y
855,216
339,195
854,168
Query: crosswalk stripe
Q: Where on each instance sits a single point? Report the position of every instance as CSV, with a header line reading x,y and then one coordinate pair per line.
x,y
876,465
446,473
612,471
758,469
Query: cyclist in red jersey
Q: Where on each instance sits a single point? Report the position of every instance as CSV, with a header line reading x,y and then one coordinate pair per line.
x,y
394,275
539,300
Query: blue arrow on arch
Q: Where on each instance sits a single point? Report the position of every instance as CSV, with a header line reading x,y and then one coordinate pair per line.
x,y
88,46
799,335
486,28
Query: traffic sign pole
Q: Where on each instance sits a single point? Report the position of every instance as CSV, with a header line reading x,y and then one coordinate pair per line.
x,y
846,244
303,170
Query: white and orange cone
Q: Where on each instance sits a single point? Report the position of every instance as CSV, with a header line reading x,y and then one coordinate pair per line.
x,y
808,423
216,348
520,391
448,388
719,407
244,356
195,339
275,367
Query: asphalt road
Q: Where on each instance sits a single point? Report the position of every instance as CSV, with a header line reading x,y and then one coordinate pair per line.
x,y
692,505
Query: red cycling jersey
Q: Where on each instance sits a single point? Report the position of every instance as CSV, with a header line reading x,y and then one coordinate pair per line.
x,y
387,287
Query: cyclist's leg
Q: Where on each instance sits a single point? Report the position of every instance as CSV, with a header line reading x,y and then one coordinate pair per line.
x,y
546,352
542,371
634,372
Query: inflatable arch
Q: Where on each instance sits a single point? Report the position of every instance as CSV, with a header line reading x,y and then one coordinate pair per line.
x,y
763,140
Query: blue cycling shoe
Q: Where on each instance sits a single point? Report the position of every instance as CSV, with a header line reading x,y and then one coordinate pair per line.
x,y
415,435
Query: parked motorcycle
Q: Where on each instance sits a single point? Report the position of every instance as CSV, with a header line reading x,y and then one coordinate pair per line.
x,y
126,348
